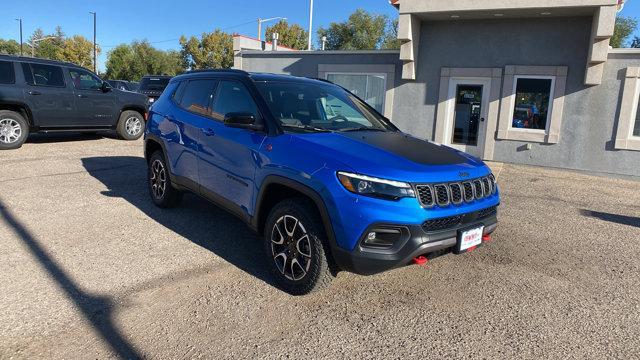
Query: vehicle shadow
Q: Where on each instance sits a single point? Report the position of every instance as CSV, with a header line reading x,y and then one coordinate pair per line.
x,y
66,137
614,218
96,309
195,219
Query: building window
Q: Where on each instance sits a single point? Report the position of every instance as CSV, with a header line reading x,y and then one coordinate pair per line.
x,y
628,129
636,126
532,102
369,87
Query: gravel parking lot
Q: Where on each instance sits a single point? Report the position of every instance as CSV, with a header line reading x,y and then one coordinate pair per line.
x,y
89,268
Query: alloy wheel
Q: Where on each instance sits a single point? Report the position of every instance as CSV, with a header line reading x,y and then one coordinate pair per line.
x,y
133,126
158,179
10,131
291,247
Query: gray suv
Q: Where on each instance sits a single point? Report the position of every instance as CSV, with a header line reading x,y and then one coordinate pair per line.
x,y
38,95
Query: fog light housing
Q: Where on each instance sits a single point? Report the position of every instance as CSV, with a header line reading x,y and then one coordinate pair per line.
x,y
382,237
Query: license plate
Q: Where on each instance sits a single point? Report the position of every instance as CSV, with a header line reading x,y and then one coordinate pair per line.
x,y
470,238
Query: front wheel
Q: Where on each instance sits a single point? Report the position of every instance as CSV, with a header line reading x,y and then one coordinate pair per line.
x,y
14,130
295,244
130,125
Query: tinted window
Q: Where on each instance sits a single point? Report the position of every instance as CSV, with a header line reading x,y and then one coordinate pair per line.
x,y
84,80
177,94
197,96
533,97
7,75
154,83
43,75
233,97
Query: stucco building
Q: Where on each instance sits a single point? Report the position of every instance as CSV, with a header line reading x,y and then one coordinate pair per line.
x,y
532,82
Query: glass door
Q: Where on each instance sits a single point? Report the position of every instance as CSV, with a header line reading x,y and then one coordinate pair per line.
x,y
467,113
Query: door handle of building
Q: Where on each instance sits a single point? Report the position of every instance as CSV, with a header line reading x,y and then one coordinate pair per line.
x,y
208,132
481,119
32,92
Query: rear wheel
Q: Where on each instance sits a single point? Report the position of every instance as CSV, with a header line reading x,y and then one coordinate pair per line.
x,y
295,244
130,125
162,193
14,130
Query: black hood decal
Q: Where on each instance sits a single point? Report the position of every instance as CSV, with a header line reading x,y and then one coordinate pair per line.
x,y
410,148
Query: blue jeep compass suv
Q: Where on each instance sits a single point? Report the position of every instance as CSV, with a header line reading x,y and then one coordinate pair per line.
x,y
330,183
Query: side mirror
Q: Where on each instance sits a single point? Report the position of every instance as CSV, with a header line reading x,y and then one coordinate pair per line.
x,y
242,121
105,87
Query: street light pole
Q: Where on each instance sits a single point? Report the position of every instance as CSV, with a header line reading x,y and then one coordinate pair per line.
x,y
310,22
95,64
261,20
21,48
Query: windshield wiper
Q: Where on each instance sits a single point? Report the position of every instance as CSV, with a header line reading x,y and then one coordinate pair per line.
x,y
305,127
361,129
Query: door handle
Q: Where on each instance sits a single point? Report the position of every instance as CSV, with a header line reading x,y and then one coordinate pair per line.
x,y
33,92
208,132
82,96
481,119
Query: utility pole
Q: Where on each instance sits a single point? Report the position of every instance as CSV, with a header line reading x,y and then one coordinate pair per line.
x,y
95,64
21,48
310,22
261,20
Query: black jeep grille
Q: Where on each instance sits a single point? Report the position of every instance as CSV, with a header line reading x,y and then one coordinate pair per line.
x,y
452,222
455,193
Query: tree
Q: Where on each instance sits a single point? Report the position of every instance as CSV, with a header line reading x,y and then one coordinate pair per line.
x,y
10,47
625,26
78,50
211,50
293,36
49,48
131,62
390,41
636,42
362,31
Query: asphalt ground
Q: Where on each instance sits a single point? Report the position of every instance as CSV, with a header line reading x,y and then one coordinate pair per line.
x,y
89,268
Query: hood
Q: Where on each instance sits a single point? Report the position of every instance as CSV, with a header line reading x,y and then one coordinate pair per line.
x,y
393,155
131,97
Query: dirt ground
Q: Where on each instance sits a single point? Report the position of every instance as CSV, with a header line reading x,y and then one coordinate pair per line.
x,y
89,268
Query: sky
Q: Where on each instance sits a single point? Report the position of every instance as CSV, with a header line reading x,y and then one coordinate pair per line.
x,y
163,21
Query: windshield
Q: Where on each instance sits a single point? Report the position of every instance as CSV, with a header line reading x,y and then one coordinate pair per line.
x,y
318,107
154,83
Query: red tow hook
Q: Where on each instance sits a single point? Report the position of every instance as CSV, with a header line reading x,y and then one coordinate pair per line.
x,y
486,238
420,260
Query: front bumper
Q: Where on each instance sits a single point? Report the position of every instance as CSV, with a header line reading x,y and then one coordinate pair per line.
x,y
416,240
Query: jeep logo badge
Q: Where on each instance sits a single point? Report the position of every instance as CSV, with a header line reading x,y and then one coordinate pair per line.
x,y
463,174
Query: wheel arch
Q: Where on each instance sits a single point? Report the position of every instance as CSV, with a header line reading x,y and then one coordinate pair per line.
x,y
277,188
21,108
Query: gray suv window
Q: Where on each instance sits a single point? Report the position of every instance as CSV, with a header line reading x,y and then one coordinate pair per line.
x,y
7,75
43,75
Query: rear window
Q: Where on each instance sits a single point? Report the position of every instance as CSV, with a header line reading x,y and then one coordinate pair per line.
x,y
154,83
7,75
43,75
197,95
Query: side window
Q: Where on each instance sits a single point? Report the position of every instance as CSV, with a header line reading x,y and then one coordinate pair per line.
x,y
233,97
197,95
84,80
43,75
7,75
177,94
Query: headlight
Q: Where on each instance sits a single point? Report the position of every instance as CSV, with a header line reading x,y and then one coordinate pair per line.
x,y
375,187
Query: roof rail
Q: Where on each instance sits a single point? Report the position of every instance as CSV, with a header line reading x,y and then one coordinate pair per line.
x,y
40,60
237,71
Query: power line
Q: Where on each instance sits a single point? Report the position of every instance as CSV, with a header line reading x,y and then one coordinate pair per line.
x,y
170,40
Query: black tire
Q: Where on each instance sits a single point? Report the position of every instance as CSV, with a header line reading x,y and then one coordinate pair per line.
x,y
162,193
130,125
14,130
312,272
